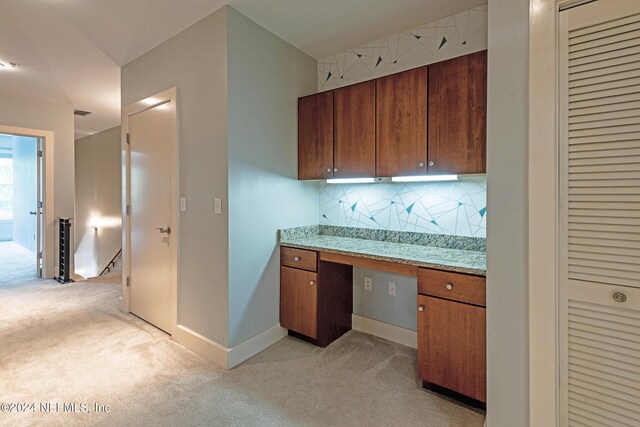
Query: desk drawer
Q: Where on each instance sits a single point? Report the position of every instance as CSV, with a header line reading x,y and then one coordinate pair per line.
x,y
452,286
299,258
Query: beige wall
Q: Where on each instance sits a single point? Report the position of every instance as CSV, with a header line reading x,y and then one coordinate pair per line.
x,y
507,226
195,62
33,113
98,201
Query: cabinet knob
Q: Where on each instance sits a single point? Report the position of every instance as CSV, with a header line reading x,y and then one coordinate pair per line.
x,y
312,282
449,286
432,163
335,169
619,297
421,308
421,164
329,170
296,258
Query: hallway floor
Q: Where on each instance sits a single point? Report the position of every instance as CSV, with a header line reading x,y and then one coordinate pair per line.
x,y
70,343
17,265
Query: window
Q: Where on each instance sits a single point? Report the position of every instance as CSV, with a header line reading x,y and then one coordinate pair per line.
x,y
6,189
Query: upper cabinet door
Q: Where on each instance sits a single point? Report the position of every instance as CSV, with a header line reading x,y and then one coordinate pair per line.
x,y
315,136
355,131
401,123
458,115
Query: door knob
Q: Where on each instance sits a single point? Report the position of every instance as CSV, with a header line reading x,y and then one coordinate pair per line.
x,y
32,213
421,308
164,230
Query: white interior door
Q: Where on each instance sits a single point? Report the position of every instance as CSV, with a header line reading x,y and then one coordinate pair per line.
x,y
150,145
600,214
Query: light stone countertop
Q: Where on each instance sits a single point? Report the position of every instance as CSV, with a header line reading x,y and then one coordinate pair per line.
x,y
456,260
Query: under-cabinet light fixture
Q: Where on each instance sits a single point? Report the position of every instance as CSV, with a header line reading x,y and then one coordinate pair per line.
x,y
424,178
351,181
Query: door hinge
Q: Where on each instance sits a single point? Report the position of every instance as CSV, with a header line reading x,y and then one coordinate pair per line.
x,y
40,255
128,138
128,210
39,153
40,205
128,281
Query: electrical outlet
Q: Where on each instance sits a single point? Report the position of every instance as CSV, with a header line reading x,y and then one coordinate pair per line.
x,y
392,288
368,283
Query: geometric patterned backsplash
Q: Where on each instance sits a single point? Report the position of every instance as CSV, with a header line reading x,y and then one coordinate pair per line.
x,y
453,207
448,37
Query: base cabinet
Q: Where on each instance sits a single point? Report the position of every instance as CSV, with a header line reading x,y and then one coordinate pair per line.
x,y
315,306
451,339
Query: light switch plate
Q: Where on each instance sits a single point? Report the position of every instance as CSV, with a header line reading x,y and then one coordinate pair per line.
x,y
183,204
217,205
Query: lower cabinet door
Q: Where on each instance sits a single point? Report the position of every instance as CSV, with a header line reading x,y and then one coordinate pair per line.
x,y
452,346
299,301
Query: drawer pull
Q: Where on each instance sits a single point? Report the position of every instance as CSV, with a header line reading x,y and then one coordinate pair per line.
x,y
421,308
449,286
312,282
296,258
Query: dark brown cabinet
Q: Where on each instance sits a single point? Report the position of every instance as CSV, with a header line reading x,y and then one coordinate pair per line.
x,y
401,124
299,301
452,332
314,305
315,136
355,131
458,115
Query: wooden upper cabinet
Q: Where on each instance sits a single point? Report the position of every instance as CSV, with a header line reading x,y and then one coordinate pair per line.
x,y
315,136
401,124
355,131
458,115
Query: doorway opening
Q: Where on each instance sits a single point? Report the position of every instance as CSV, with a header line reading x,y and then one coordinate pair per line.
x,y
21,203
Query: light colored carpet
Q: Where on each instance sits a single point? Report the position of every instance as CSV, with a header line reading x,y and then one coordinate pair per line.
x,y
17,265
70,343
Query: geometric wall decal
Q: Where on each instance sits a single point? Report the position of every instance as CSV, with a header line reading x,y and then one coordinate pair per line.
x,y
445,38
455,208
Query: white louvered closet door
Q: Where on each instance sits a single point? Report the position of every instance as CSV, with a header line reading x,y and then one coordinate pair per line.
x,y
600,214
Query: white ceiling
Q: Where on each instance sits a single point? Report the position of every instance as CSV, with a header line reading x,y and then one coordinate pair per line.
x,y
71,50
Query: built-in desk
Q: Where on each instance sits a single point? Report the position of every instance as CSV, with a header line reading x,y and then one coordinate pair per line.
x,y
316,299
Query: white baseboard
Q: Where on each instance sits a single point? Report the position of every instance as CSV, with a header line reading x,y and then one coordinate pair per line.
x,y
255,345
227,357
210,350
393,333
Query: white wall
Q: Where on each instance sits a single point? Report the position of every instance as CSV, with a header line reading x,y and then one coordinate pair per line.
x,y
507,226
98,201
32,113
266,77
195,62
25,191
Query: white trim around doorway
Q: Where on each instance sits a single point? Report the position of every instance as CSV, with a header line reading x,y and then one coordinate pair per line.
x,y
48,212
169,98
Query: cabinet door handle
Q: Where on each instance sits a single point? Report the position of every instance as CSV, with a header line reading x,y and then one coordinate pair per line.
x,y
312,282
421,164
432,163
329,170
449,286
296,258
421,308
335,169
